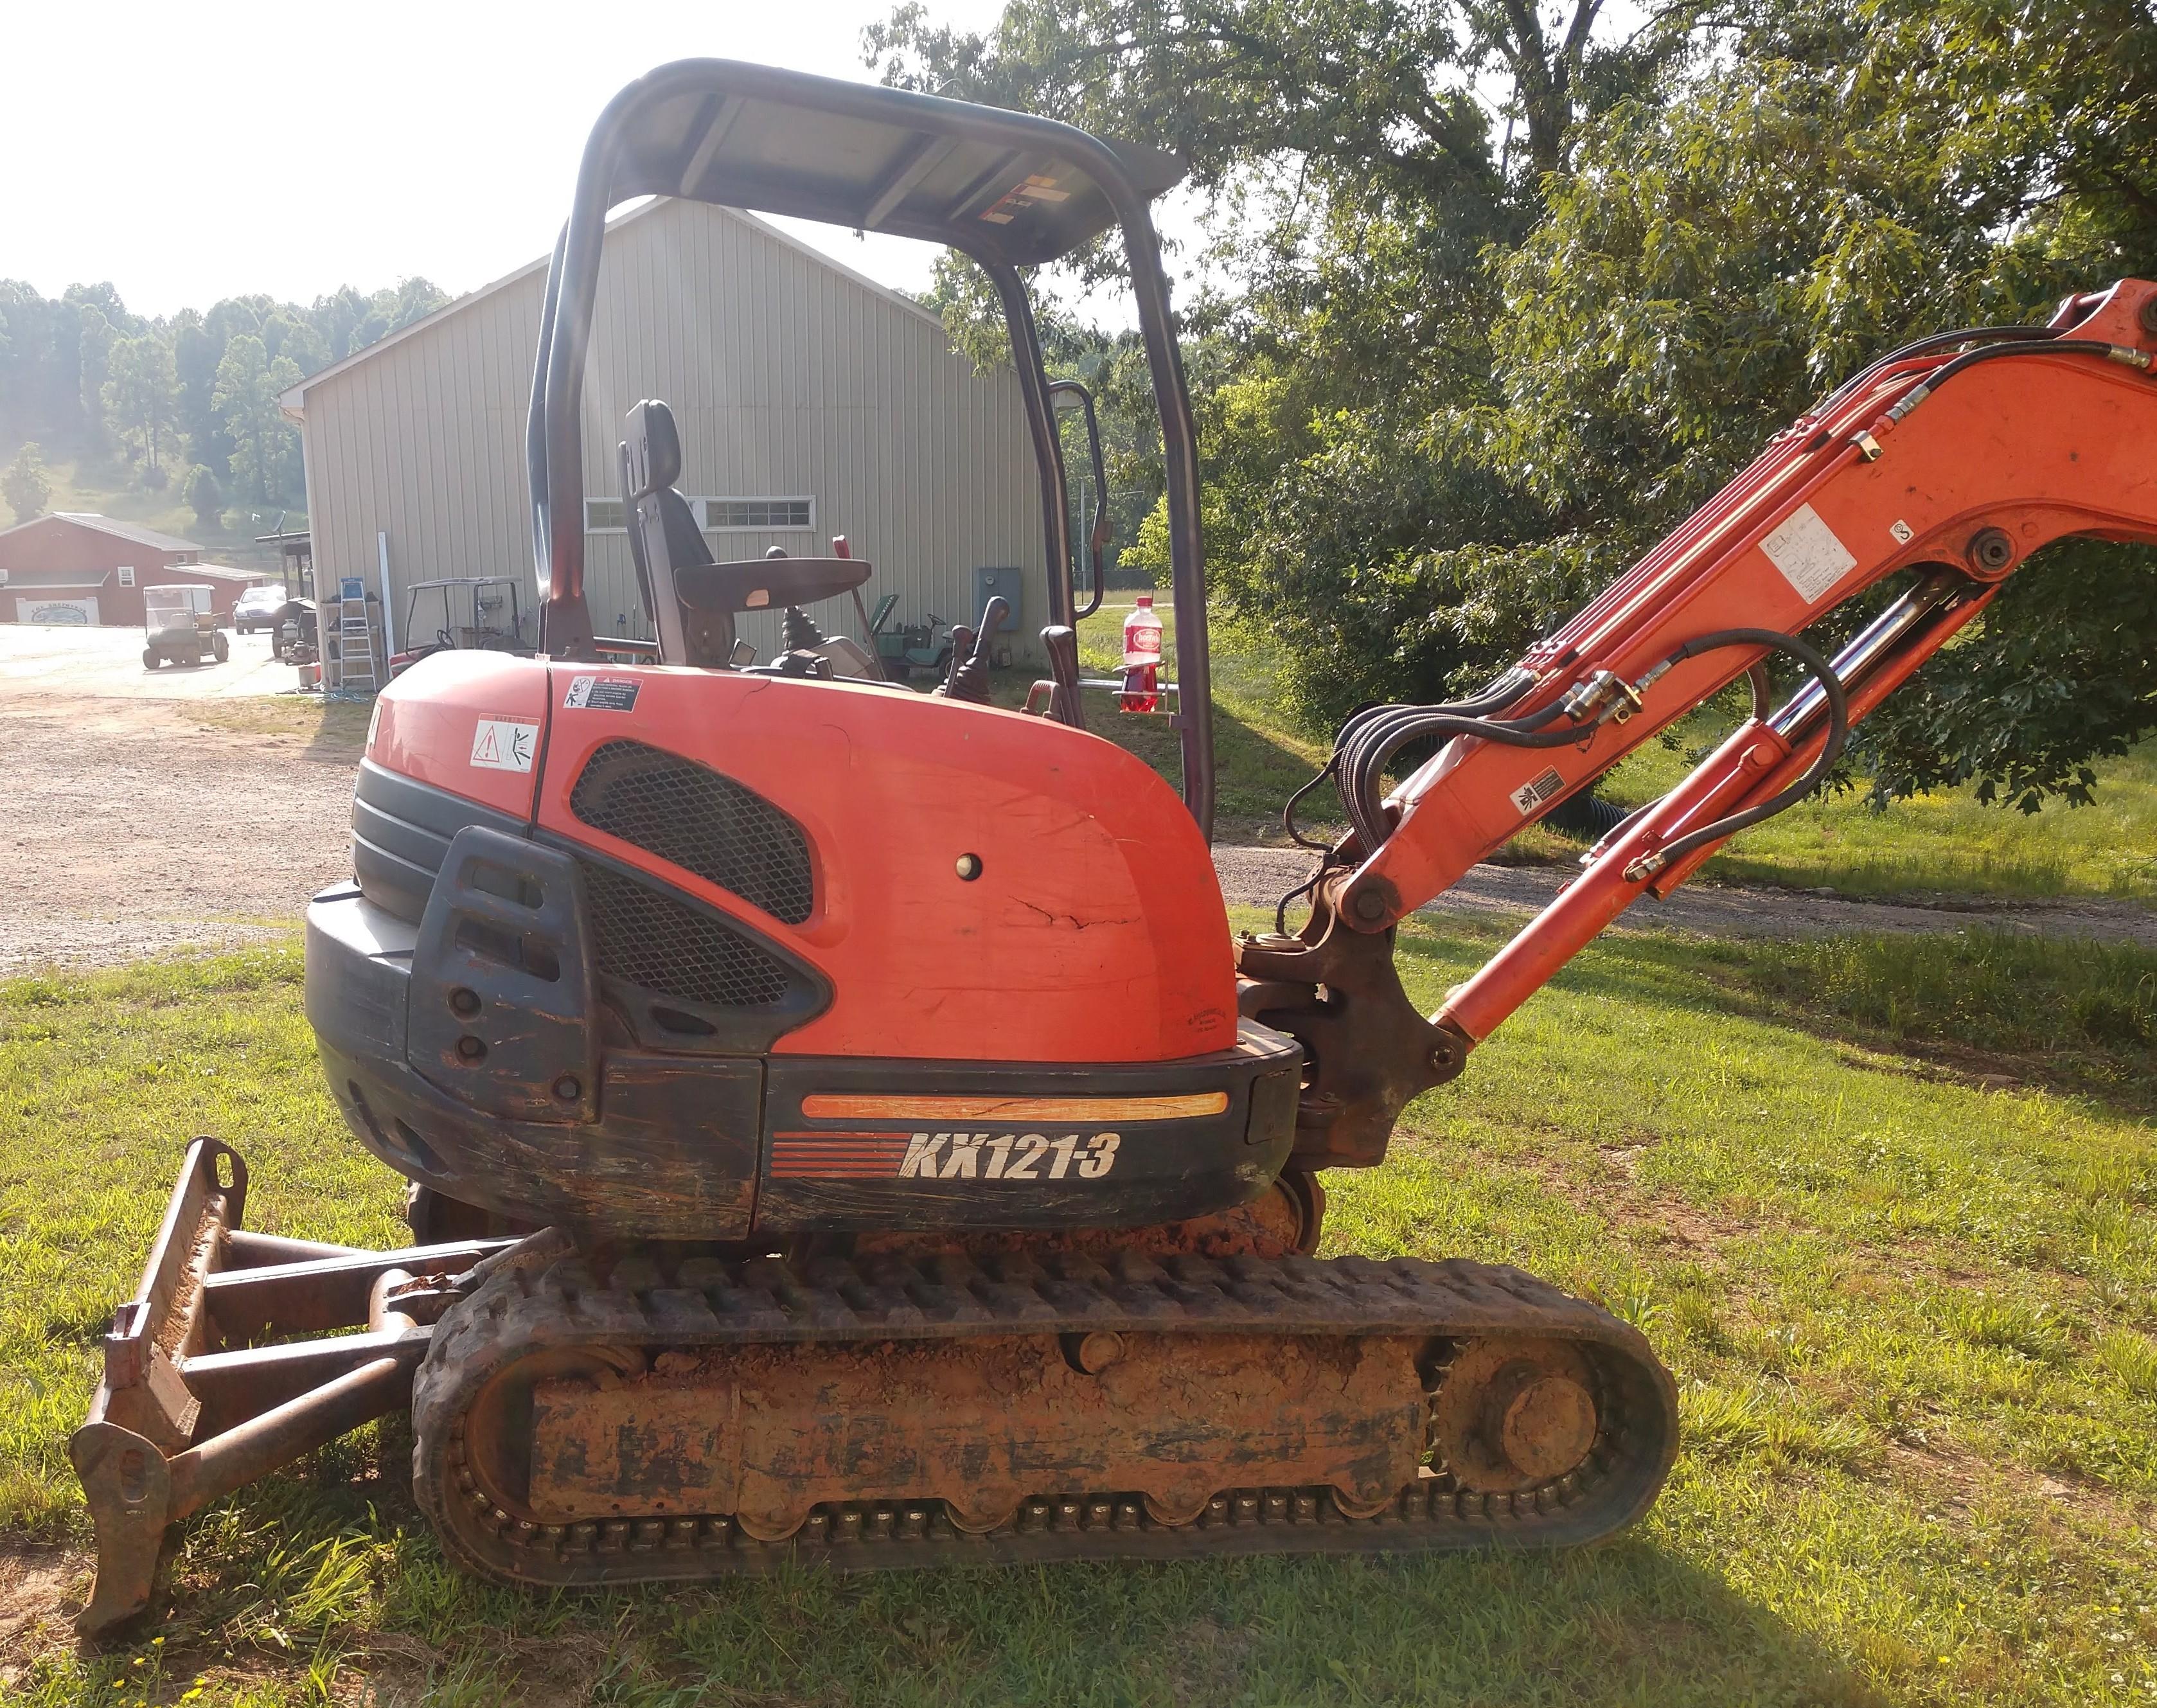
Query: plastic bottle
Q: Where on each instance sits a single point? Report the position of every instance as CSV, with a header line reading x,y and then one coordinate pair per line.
x,y
1141,659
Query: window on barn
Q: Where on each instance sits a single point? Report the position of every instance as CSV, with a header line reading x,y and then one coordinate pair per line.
x,y
725,515
718,515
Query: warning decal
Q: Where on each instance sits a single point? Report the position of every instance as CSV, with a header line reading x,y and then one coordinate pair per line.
x,y
1807,552
601,693
1533,793
504,744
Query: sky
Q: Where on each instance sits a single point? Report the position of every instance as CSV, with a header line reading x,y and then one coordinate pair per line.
x,y
191,152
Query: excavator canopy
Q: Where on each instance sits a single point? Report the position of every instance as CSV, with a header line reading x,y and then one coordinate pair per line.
x,y
1002,186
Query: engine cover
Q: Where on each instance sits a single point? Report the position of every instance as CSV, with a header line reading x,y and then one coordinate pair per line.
x,y
692,953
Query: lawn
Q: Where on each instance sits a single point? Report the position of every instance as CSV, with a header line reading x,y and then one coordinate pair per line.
x,y
1948,841
1906,1290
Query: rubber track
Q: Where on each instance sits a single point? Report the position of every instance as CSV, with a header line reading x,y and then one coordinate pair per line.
x,y
650,1302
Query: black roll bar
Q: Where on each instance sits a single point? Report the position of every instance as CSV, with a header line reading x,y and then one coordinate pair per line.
x,y
1031,189
1097,536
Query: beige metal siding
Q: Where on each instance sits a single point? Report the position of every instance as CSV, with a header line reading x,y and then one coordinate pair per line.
x,y
788,377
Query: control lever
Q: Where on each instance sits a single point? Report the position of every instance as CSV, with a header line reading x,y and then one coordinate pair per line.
x,y
1060,641
969,675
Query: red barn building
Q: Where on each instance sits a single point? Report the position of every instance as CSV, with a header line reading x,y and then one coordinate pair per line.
x,y
74,568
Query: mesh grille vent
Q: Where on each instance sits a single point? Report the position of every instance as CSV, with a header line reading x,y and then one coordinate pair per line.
x,y
649,939
690,817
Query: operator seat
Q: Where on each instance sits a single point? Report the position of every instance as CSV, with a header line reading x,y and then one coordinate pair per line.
x,y
663,535
693,599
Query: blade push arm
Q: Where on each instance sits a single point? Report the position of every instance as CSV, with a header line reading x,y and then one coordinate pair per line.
x,y
1961,455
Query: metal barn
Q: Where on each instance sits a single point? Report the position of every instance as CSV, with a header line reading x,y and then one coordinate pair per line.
x,y
812,402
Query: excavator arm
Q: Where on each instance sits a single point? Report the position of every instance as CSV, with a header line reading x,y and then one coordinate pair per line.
x,y
1958,456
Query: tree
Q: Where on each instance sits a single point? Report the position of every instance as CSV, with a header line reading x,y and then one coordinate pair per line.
x,y
204,496
247,401
94,336
1460,373
1848,179
141,392
24,485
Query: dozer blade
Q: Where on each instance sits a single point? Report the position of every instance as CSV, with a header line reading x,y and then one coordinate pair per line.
x,y
192,1404
671,1416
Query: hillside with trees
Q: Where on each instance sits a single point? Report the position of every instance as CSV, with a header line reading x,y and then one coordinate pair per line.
x,y
172,420
1492,295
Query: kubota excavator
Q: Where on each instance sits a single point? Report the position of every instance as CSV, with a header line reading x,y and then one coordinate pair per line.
x,y
847,1128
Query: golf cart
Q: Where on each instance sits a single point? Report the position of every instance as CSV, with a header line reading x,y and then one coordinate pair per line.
x,y
925,645
463,614
178,624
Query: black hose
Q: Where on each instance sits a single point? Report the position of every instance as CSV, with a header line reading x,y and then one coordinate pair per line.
x,y
1924,347
1587,815
1838,733
1362,771
2055,346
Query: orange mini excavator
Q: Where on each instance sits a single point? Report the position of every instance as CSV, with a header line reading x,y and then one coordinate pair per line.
x,y
844,1125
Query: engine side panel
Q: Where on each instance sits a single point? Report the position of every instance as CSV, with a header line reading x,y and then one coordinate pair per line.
x,y
1092,930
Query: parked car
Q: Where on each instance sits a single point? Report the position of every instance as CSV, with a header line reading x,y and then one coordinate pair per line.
x,y
259,608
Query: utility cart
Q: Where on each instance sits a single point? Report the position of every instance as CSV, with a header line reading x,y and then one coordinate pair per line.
x,y
463,613
178,623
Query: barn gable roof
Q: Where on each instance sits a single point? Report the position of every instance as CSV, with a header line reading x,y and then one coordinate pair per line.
x,y
293,402
132,532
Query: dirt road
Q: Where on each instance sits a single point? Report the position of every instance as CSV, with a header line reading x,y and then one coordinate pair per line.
x,y
106,664
131,827
1257,877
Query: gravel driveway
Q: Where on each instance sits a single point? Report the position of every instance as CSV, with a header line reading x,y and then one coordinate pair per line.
x,y
1259,876
134,826
128,828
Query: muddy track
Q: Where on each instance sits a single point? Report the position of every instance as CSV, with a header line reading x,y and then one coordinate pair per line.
x,y
134,827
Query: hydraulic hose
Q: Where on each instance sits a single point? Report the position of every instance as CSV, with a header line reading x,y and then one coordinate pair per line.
x,y
1363,762
1838,735
2124,354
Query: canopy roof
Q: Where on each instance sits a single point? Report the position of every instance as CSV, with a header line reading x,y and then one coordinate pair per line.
x,y
1008,186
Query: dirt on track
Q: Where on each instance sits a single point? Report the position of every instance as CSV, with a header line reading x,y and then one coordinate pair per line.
x,y
131,827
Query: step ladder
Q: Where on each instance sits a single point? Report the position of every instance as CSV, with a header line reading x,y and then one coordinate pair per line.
x,y
356,674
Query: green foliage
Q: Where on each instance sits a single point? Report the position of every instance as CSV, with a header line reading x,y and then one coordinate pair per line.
x,y
24,485
82,371
249,382
141,392
204,496
1454,375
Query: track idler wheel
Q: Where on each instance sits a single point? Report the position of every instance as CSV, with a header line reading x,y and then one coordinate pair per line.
x,y
1512,1414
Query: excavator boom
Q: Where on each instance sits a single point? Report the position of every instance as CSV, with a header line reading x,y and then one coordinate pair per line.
x,y
1957,457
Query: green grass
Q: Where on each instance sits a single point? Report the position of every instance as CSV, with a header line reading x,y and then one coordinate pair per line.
x,y
1945,842
1910,1313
